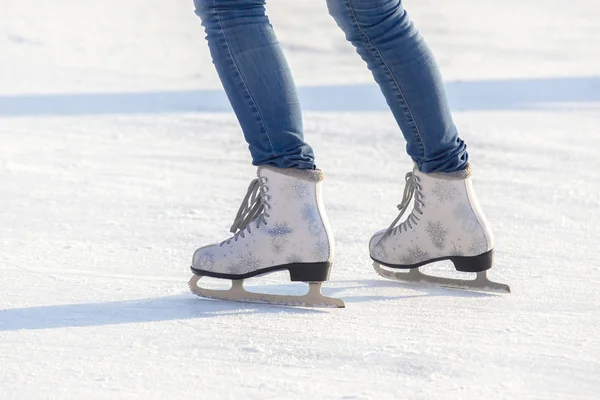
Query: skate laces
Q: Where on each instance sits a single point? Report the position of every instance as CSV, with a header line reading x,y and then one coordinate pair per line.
x,y
253,208
411,188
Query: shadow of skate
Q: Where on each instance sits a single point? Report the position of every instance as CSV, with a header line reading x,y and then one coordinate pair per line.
x,y
425,290
364,298
374,298
158,309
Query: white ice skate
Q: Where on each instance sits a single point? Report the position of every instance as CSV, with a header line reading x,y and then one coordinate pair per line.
x,y
281,225
446,223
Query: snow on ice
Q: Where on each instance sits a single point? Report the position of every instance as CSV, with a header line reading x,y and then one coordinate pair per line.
x,y
119,155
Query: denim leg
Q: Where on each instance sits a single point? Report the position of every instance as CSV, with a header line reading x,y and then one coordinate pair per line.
x,y
257,80
408,75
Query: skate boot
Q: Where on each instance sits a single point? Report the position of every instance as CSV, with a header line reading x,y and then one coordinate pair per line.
x,y
446,223
281,225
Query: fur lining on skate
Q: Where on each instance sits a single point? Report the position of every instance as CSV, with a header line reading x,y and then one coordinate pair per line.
x,y
311,175
452,176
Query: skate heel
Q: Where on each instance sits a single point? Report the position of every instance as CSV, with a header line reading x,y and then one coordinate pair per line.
x,y
309,272
479,263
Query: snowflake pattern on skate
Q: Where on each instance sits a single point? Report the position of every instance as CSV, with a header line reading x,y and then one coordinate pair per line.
x,y
296,189
279,236
414,255
245,262
311,216
445,191
206,261
379,252
456,251
437,234
464,213
293,259
478,245
321,250
232,268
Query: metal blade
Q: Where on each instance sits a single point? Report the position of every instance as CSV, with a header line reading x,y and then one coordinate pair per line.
x,y
314,297
480,283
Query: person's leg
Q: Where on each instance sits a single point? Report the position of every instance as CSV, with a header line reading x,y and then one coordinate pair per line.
x,y
446,222
257,80
281,224
408,75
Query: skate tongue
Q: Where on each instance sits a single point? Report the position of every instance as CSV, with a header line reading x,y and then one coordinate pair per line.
x,y
251,207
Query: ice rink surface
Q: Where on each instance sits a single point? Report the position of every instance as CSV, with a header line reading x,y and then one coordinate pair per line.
x,y
119,156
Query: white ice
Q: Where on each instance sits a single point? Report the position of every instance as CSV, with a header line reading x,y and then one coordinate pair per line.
x,y
119,156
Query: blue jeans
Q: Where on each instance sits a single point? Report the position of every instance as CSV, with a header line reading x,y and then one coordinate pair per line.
x,y
257,80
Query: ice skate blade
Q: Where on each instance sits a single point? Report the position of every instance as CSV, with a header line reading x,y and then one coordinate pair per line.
x,y
314,297
480,283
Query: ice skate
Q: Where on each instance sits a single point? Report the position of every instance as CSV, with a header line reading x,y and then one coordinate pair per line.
x,y
280,226
446,223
